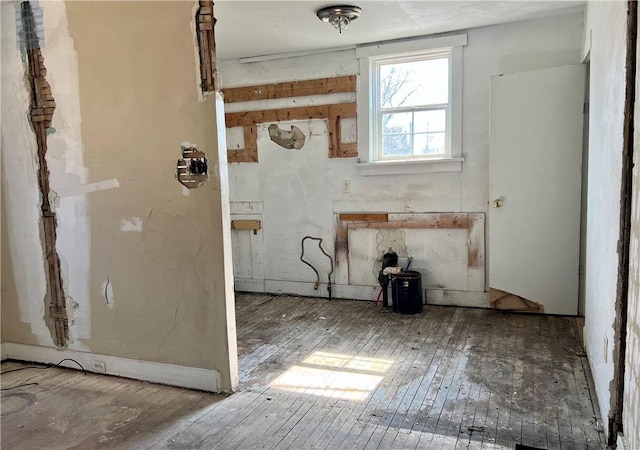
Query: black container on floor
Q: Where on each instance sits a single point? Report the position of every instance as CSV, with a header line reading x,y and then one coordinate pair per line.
x,y
406,292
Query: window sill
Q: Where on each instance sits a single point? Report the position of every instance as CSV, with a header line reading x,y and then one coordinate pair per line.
x,y
410,166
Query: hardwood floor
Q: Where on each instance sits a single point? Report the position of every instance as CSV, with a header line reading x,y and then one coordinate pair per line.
x,y
340,374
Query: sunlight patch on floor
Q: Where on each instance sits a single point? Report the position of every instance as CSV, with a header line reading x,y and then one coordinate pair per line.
x,y
333,375
349,362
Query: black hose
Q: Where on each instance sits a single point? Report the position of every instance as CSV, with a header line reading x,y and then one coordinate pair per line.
x,y
313,268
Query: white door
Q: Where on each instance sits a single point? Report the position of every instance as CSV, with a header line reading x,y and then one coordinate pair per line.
x,y
535,184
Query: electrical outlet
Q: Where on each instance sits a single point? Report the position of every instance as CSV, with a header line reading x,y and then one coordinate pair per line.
x,y
99,366
346,186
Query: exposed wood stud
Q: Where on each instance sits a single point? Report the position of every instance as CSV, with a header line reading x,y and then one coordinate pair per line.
x,y
290,89
435,222
237,119
333,114
364,217
41,114
205,22
250,151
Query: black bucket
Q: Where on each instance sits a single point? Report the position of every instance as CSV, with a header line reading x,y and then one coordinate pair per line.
x,y
406,292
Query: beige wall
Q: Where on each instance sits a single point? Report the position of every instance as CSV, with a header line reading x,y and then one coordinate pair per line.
x,y
125,79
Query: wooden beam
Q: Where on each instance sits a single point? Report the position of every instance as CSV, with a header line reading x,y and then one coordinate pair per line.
x,y
238,119
364,217
431,221
246,225
290,89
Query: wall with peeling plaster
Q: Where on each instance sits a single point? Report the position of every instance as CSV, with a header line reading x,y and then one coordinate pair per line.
x,y
145,263
299,191
605,39
631,400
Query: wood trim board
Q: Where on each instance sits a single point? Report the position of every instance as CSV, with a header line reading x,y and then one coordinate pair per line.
x,y
290,89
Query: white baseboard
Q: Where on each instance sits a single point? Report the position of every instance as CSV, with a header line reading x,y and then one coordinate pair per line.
x,y
170,374
458,298
432,296
246,285
306,289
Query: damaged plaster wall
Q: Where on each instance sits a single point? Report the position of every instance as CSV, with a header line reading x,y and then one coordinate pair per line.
x,y
631,399
299,191
22,253
143,263
605,39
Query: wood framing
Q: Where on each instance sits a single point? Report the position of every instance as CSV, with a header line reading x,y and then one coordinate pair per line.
x,y
431,220
304,88
364,217
207,46
250,151
246,225
299,113
41,112
333,113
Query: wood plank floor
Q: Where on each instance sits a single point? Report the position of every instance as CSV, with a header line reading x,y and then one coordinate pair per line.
x,y
336,375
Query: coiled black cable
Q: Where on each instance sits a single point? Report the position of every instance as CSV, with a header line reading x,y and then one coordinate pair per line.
x,y
317,283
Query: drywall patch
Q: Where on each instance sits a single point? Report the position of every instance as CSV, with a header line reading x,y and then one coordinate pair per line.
x,y
128,224
89,187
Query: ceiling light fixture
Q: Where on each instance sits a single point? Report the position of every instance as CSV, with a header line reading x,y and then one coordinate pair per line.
x,y
340,16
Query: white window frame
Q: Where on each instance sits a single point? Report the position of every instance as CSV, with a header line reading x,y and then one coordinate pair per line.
x,y
371,57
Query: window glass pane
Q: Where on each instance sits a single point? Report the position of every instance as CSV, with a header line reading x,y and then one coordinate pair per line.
x,y
429,144
396,145
414,83
430,121
396,123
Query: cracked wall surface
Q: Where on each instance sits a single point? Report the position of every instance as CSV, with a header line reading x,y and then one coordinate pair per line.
x,y
147,265
41,114
605,26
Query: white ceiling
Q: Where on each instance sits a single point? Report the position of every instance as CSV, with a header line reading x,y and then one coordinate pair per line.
x,y
255,28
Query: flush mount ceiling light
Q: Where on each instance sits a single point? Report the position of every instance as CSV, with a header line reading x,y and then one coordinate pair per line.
x,y
340,16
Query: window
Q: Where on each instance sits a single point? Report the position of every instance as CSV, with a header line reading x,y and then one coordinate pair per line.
x,y
409,103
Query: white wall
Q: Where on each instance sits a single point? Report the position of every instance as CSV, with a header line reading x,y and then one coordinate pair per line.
x,y
301,190
605,38
631,399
